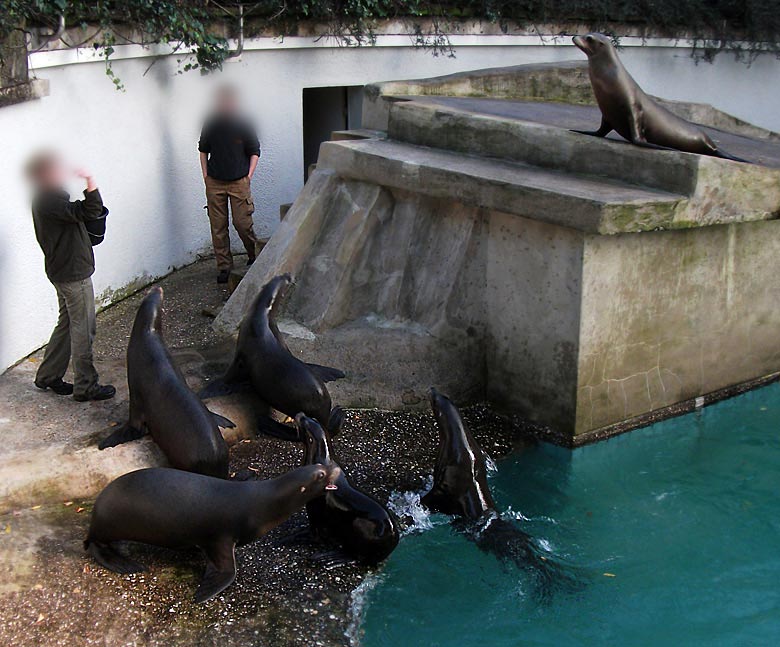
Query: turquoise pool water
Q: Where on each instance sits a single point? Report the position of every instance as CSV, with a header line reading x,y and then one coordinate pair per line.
x,y
674,528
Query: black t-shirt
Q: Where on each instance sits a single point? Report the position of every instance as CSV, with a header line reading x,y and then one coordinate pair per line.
x,y
229,141
60,230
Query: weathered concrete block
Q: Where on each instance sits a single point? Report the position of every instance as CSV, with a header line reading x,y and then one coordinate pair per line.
x,y
582,283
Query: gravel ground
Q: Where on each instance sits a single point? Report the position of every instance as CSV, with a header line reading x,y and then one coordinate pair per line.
x,y
52,594
189,292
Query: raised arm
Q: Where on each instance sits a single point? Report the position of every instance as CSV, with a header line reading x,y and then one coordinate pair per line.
x,y
90,208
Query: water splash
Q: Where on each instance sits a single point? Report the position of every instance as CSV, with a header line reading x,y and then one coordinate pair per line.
x,y
414,516
357,608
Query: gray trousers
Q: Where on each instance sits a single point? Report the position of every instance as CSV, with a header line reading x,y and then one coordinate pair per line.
x,y
73,336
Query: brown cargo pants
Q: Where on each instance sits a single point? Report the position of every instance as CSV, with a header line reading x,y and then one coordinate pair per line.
x,y
242,207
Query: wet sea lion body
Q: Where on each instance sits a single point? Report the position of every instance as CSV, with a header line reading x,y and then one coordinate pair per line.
x,y
177,509
363,528
460,489
284,382
162,404
628,110
460,485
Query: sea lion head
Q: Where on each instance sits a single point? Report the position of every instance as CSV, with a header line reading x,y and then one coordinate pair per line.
x,y
272,292
149,314
315,439
439,405
594,45
311,481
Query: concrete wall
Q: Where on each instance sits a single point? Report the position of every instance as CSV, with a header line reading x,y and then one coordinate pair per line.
x,y
707,321
141,144
534,282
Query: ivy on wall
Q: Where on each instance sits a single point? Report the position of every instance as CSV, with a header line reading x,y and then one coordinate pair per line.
x,y
743,27
106,23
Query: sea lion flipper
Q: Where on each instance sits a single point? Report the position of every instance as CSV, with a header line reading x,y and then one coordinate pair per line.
x,y
604,129
277,429
326,373
336,420
728,156
333,559
108,557
220,571
124,434
222,421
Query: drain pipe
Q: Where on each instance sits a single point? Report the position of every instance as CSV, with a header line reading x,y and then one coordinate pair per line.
x,y
240,46
56,35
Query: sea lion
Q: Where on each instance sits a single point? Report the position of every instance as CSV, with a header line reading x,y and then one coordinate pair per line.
x,y
460,477
163,405
363,528
635,116
284,382
460,489
176,509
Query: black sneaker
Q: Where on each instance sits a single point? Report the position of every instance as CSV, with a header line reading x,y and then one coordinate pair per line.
x,y
105,392
59,387
222,277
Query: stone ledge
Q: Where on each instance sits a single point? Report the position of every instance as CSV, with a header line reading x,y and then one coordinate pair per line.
x,y
592,205
29,91
720,191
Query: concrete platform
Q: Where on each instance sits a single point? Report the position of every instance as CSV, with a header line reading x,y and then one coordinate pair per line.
x,y
482,247
49,450
588,203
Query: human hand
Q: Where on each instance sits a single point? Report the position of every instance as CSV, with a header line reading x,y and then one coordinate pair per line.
x,y
89,177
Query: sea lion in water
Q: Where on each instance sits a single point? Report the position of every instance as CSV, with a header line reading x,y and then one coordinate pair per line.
x,y
358,523
460,489
282,380
460,477
163,405
176,509
626,109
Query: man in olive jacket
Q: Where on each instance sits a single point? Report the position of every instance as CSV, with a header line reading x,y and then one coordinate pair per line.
x,y
69,262
229,151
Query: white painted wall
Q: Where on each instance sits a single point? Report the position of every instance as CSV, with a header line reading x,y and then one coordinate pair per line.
x,y
142,143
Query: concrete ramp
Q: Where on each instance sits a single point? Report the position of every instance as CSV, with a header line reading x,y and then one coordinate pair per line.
x,y
480,246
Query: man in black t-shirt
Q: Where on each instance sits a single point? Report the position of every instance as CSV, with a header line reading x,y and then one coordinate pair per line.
x,y
229,151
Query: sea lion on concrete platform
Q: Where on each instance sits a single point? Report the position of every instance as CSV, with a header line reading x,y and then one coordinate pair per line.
x,y
163,405
363,528
282,380
176,509
634,115
460,488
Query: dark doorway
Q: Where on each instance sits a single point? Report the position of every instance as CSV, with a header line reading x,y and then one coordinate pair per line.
x,y
326,110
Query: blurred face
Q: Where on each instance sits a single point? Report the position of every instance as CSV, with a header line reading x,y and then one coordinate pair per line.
x,y
50,172
227,102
